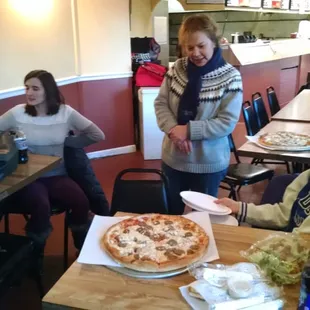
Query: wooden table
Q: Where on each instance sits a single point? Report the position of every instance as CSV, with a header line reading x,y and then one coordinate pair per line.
x,y
25,174
96,287
252,150
297,110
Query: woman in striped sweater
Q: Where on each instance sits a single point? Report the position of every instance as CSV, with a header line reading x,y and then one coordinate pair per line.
x,y
198,106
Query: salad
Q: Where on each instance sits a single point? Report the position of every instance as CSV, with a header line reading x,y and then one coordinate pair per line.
x,y
281,257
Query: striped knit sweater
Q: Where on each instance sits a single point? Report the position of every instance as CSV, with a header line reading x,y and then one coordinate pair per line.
x,y
218,112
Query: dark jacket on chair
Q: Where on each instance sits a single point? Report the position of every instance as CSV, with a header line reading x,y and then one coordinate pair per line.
x,y
79,168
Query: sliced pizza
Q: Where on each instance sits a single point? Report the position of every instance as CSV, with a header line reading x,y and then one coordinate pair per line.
x,y
155,242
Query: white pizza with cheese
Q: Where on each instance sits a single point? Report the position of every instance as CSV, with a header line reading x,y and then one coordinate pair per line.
x,y
284,139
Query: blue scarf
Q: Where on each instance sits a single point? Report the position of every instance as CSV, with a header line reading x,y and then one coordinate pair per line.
x,y
189,101
301,208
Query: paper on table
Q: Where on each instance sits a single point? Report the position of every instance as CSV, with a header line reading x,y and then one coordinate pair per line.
x,y
91,252
198,304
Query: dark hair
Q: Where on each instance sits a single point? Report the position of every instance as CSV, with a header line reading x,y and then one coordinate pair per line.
x,y
53,96
199,22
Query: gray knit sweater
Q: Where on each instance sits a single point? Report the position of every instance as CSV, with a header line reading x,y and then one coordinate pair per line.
x,y
218,112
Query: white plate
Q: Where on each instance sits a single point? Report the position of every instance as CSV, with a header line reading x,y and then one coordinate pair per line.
x,y
203,202
225,212
222,210
221,213
224,220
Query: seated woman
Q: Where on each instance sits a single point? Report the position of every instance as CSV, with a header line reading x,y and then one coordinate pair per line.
x,y
290,213
46,121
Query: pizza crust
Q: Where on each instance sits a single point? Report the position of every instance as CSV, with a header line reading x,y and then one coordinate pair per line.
x,y
192,292
146,263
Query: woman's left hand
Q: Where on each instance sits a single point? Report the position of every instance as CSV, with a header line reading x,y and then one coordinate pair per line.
x,y
185,146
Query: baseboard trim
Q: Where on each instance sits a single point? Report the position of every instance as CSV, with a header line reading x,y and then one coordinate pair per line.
x,y
112,152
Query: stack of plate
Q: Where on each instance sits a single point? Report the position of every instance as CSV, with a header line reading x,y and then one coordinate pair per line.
x,y
203,202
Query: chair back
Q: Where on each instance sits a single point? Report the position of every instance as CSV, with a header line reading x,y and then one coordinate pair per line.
x,y
260,110
233,148
140,195
249,119
274,105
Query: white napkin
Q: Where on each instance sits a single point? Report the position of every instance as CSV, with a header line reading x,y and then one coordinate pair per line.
x,y
91,252
198,304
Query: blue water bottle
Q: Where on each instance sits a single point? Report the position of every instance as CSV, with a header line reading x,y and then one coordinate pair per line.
x,y
304,299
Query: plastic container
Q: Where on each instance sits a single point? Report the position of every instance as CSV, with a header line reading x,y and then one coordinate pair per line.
x,y
280,256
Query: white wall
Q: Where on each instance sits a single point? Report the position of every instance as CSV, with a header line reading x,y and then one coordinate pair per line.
x,y
141,18
30,40
161,10
69,38
104,36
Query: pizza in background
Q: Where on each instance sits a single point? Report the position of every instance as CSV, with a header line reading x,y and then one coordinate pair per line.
x,y
155,242
284,139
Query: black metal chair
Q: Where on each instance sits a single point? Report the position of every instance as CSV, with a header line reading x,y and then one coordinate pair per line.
x,y
140,195
260,110
249,119
17,260
55,211
241,174
274,105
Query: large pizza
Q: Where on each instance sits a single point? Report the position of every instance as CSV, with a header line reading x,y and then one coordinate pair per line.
x,y
284,139
155,242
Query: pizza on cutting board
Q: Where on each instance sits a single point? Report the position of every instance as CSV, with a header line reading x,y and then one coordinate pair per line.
x,y
155,242
284,139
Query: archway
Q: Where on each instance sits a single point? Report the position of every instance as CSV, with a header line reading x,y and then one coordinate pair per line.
x,y
173,5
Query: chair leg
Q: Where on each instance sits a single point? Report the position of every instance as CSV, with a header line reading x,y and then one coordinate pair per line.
x,y
39,283
66,241
239,187
6,223
232,193
288,167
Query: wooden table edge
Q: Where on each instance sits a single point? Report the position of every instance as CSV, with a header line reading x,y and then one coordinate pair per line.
x,y
273,156
281,119
47,305
30,179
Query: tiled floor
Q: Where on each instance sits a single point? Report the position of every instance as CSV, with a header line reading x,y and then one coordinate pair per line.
x,y
26,297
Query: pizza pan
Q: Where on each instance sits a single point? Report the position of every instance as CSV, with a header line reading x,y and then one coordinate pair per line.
x,y
148,275
286,148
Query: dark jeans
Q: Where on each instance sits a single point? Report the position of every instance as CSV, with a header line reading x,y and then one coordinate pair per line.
x,y
36,200
179,181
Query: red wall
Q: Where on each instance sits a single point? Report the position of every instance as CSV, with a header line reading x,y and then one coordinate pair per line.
x,y
284,75
108,103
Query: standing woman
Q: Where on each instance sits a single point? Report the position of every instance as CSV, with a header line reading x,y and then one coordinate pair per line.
x,y
198,106
46,121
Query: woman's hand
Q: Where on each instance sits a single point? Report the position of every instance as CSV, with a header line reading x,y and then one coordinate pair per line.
x,y
233,205
178,133
185,146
